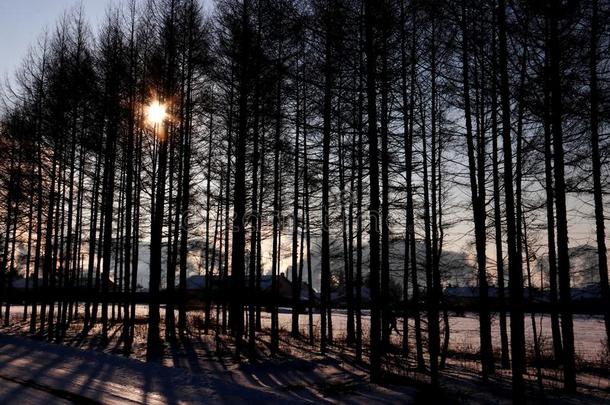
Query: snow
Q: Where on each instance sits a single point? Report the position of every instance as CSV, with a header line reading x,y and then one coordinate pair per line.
x,y
114,380
190,374
204,371
589,333
19,393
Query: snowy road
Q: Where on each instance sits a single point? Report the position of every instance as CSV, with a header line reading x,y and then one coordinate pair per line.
x,y
14,390
34,372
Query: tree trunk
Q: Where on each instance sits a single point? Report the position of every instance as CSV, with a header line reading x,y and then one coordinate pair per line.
x,y
514,261
478,211
563,263
596,161
326,135
505,361
374,268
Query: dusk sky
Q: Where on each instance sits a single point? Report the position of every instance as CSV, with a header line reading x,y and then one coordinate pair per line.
x,y
23,21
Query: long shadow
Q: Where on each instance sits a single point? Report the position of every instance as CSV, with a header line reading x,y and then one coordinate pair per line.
x,y
59,393
51,370
39,371
147,388
301,379
91,377
191,356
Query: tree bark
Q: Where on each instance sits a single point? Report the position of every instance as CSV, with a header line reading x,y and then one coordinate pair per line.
x,y
371,16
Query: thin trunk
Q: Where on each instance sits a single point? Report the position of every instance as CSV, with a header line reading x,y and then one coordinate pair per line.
x,y
596,162
153,344
385,192
531,291
239,191
514,261
276,202
310,296
505,361
563,263
296,288
430,223
478,210
371,90
326,136
208,193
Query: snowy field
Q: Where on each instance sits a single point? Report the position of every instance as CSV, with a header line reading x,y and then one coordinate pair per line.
x,y
589,332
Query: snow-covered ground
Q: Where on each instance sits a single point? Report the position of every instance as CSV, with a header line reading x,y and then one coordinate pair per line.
x,y
204,371
589,332
111,379
36,372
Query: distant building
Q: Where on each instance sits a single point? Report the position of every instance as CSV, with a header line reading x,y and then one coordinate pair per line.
x,y
197,284
589,292
339,298
20,283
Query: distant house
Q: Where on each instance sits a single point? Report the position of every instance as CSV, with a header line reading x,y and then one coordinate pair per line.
x,y
470,294
589,292
20,283
467,292
197,284
339,298
194,283
285,288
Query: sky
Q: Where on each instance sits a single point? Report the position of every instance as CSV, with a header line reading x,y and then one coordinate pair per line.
x,y
23,21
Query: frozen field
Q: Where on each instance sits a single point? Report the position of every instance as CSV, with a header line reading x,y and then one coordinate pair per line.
x,y
589,333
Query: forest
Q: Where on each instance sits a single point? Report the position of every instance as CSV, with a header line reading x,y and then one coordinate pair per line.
x,y
349,175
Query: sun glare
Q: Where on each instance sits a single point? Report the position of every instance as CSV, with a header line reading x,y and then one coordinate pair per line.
x,y
156,113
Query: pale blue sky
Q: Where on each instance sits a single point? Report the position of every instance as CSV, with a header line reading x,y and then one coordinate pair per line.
x,y
23,21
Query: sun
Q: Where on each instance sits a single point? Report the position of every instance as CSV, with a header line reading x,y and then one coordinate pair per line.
x,y
156,113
